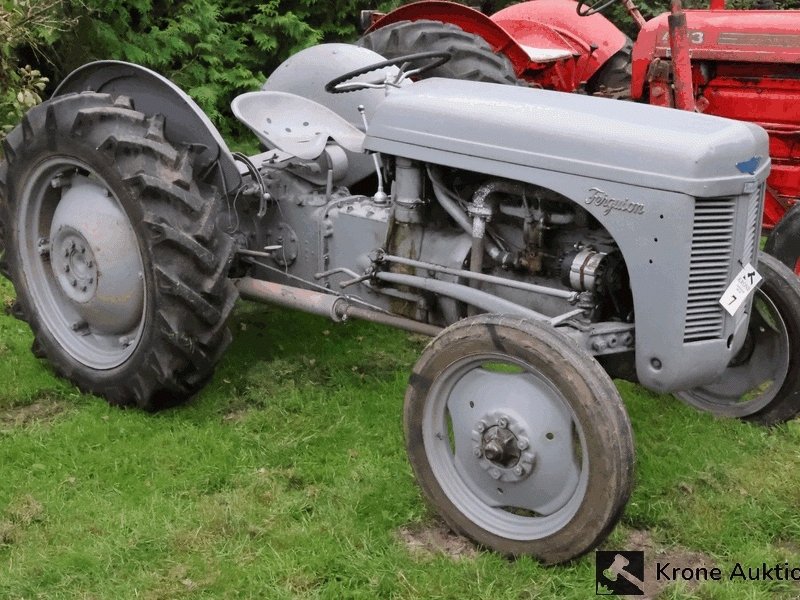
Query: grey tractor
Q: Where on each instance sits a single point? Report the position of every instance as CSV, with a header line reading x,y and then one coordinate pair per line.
x,y
547,242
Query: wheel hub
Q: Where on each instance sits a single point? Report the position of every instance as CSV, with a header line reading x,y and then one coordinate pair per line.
x,y
95,258
74,265
502,448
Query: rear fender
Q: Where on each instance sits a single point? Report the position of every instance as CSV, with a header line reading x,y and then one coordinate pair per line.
x,y
468,19
151,93
556,24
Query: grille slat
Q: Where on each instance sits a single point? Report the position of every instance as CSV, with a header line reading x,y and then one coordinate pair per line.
x,y
712,241
753,220
710,260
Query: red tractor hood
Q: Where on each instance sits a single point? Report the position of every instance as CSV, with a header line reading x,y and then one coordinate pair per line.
x,y
762,36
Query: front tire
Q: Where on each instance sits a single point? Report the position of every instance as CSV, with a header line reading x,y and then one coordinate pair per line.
x,y
784,241
114,252
762,383
518,438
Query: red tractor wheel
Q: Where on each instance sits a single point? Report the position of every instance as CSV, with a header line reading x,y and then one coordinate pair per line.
x,y
471,57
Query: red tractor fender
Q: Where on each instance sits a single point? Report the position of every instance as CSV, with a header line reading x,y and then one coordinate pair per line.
x,y
556,24
468,19
532,34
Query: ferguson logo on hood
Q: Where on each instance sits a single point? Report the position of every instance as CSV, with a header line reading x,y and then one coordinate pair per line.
x,y
599,198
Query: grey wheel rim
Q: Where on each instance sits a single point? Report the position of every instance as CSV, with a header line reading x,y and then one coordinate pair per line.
x,y
82,263
505,447
748,386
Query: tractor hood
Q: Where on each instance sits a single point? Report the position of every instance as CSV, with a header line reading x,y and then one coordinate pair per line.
x,y
455,123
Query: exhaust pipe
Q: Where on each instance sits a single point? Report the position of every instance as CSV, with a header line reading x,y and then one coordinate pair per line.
x,y
336,308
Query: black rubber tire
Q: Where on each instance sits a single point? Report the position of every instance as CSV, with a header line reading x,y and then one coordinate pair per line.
x,y
471,57
784,241
614,77
173,214
782,287
594,402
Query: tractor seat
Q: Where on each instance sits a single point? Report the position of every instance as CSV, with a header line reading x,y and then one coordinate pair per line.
x,y
545,55
295,124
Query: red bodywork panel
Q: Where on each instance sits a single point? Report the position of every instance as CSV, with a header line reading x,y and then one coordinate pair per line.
x,y
762,36
745,67
555,24
515,31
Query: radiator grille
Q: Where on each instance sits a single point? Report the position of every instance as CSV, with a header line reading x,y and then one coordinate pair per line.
x,y
712,249
753,226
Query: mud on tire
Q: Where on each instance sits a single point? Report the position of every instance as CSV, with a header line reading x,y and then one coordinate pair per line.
x,y
112,246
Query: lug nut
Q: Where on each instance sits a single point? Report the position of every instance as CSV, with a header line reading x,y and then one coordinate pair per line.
x,y
74,282
477,452
481,426
83,288
518,470
522,443
502,422
494,473
494,451
66,268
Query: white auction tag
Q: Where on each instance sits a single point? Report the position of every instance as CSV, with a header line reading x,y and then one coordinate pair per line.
x,y
740,289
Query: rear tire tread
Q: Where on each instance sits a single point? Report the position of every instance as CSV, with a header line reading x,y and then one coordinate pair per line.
x,y
175,238
472,57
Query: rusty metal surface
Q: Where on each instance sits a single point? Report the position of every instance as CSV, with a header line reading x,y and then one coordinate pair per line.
x,y
681,61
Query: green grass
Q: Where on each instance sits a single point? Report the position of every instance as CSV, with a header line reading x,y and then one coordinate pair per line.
x,y
286,477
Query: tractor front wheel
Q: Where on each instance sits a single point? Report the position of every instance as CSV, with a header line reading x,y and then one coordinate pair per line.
x,y
762,382
784,241
518,438
114,252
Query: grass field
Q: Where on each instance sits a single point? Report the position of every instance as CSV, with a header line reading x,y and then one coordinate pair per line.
x,y
287,478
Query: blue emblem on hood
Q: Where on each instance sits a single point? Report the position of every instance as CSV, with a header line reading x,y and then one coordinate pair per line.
x,y
749,166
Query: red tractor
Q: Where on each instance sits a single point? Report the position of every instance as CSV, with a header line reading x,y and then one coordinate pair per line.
x,y
741,64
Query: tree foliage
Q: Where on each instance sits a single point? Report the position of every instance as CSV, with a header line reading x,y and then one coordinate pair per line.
x,y
213,49
27,27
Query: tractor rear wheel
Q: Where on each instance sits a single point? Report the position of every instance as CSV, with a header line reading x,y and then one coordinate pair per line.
x,y
112,246
471,57
613,79
518,438
762,382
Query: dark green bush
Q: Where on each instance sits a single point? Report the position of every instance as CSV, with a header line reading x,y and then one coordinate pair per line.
x,y
213,49
27,27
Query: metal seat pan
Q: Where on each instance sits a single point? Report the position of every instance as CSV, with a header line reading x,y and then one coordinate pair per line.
x,y
295,124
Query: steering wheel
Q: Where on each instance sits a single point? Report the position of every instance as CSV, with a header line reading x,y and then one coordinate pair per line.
x,y
585,9
434,59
